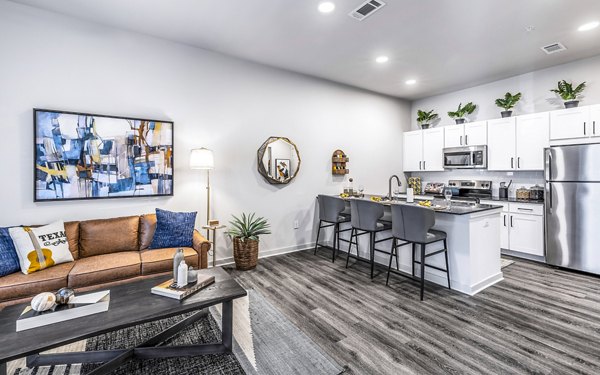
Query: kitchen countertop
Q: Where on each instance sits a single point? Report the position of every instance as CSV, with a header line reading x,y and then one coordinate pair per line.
x,y
456,208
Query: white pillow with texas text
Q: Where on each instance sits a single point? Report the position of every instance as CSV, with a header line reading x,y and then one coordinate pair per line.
x,y
41,247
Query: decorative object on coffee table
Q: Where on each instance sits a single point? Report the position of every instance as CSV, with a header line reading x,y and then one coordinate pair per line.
x,y
43,301
245,232
203,159
177,258
64,296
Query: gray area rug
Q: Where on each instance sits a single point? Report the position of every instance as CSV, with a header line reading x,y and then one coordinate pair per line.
x,y
275,343
265,342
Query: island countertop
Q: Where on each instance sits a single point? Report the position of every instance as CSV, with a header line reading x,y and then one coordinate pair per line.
x,y
456,208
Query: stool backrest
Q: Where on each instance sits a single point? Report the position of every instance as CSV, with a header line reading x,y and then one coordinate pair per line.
x,y
365,214
411,223
330,208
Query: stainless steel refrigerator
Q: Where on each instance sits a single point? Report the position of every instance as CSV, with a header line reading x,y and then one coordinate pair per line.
x,y
572,203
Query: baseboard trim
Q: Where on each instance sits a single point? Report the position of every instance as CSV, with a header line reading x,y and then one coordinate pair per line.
x,y
269,253
485,283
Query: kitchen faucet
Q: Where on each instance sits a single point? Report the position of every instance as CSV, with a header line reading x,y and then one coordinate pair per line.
x,y
390,185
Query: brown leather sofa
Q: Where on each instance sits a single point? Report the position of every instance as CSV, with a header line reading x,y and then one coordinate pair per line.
x,y
106,252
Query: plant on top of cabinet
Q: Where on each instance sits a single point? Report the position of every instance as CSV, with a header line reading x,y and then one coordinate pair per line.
x,y
569,94
426,118
508,103
461,112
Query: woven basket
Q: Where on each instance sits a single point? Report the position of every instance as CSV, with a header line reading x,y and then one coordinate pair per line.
x,y
245,253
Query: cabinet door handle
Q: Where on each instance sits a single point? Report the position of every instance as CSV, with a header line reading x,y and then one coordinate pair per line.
x,y
461,140
511,222
519,162
524,209
424,165
466,140
504,220
594,127
584,130
512,163
420,165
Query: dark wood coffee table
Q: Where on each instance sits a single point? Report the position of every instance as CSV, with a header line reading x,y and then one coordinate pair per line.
x,y
130,304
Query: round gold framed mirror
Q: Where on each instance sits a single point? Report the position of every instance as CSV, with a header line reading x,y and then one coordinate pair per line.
x,y
278,160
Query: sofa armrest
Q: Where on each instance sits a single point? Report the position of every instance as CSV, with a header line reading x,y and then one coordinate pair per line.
x,y
201,245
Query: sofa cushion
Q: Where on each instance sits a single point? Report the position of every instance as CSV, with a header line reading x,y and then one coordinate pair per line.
x,y
72,230
18,285
9,261
41,247
161,260
105,236
173,229
147,228
104,268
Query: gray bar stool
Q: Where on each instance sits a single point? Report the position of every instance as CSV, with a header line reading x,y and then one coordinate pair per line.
x,y
331,212
413,224
365,218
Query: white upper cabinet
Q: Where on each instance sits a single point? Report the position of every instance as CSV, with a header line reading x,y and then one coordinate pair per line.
x,y
471,134
453,135
570,123
501,144
413,151
532,136
433,145
476,133
594,123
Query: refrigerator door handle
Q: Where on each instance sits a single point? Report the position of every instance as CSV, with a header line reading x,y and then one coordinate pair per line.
x,y
584,128
549,192
548,164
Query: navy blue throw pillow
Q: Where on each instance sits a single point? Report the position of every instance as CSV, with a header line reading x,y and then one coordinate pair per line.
x,y
9,261
173,229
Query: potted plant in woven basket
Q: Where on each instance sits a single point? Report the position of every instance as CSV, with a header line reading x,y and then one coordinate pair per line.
x,y
244,232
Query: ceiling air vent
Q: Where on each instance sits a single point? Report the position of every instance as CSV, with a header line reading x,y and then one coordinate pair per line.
x,y
553,48
366,9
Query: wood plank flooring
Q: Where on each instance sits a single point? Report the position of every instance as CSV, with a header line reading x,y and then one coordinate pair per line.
x,y
538,320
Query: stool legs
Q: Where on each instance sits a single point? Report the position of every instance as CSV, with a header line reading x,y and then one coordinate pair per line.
x,y
350,246
336,241
318,233
372,251
422,246
447,266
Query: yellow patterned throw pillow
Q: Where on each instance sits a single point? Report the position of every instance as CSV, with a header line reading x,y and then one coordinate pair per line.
x,y
42,247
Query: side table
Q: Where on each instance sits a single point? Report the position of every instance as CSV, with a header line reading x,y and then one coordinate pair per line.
x,y
214,228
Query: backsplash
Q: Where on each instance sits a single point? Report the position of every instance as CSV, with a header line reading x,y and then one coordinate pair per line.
x,y
519,179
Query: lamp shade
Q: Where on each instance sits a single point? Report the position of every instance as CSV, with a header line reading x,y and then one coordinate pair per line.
x,y
201,158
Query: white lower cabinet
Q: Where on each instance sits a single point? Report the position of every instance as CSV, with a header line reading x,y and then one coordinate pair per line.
x,y
522,228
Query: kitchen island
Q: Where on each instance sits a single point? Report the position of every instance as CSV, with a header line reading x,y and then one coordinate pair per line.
x,y
473,246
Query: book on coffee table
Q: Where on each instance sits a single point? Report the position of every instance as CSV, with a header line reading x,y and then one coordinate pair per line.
x,y
80,306
169,288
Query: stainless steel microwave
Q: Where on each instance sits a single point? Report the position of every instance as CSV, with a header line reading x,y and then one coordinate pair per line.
x,y
471,157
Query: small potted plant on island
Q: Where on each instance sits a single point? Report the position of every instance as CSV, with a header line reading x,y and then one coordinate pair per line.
x,y
244,232
508,103
569,94
426,118
460,114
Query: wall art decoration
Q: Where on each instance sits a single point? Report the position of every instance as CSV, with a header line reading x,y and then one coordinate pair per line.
x,y
88,156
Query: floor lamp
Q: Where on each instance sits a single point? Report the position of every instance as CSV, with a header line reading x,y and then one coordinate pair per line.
x,y
202,158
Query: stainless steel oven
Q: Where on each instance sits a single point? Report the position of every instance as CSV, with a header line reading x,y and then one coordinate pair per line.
x,y
472,157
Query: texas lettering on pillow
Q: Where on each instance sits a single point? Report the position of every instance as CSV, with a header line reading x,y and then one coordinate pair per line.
x,y
42,247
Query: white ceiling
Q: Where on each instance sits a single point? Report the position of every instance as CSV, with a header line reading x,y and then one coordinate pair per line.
x,y
445,45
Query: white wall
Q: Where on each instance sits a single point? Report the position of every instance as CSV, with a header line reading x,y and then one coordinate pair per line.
x,y
228,105
534,86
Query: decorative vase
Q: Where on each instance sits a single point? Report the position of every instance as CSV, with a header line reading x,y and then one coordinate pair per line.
x,y
177,258
459,121
506,114
64,296
572,104
245,253
424,126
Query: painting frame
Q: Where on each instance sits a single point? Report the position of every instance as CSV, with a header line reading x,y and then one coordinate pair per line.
x,y
286,163
171,158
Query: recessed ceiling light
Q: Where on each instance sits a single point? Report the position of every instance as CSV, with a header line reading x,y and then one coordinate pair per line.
x,y
382,59
326,7
411,81
588,26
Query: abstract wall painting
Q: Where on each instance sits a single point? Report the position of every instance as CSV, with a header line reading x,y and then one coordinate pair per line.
x,y
86,156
